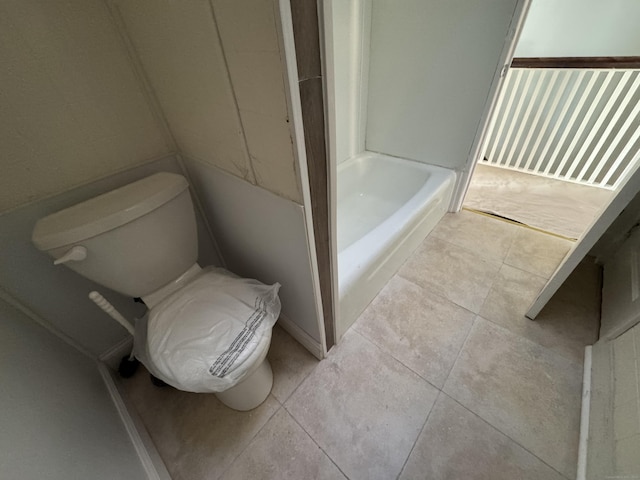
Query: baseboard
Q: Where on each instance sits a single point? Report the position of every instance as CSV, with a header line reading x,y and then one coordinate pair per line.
x,y
584,415
314,347
112,356
149,457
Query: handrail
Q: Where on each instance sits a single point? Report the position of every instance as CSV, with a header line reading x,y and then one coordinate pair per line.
x,y
576,62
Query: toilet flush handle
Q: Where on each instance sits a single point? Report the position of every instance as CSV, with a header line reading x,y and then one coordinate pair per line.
x,y
76,253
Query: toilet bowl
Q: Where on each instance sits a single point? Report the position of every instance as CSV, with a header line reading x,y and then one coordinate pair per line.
x,y
141,240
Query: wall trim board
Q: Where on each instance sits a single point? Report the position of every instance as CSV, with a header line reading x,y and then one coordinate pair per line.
x,y
463,177
301,19
111,356
284,26
15,303
315,348
584,415
332,151
149,457
599,457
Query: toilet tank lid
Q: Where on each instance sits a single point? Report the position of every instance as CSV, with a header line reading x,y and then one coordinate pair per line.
x,y
107,211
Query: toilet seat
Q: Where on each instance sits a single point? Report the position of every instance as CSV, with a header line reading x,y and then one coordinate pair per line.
x,y
213,332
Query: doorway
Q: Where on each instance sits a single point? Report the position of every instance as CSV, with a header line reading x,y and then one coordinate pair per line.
x,y
565,131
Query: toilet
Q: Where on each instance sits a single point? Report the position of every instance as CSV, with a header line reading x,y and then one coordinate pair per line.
x,y
141,240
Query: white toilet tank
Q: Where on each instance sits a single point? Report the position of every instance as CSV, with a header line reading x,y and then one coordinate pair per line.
x,y
137,238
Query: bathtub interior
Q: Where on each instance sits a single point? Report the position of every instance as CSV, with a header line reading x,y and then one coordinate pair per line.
x,y
386,207
371,188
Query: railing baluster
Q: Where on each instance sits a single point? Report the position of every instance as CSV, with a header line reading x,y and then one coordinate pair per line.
x,y
625,128
554,105
536,118
514,88
569,125
585,120
560,118
559,101
612,123
517,120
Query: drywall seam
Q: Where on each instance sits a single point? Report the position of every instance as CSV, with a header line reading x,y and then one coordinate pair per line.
x,y
233,94
149,457
141,74
10,300
200,208
88,182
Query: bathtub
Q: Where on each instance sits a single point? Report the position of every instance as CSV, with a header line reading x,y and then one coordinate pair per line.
x,y
386,207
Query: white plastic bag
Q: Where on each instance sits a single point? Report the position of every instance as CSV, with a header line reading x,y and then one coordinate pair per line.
x,y
206,336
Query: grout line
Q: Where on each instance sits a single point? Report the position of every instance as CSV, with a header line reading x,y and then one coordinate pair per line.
x,y
314,441
299,384
424,425
442,296
385,352
508,436
251,440
557,353
473,324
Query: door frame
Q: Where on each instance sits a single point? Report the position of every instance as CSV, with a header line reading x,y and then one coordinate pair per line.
x,y
627,191
489,115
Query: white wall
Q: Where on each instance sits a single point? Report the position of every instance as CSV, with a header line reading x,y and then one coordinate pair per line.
x,y
58,294
217,75
72,109
85,89
431,67
56,417
576,28
350,35
261,236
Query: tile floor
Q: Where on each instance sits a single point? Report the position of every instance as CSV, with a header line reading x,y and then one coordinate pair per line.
x,y
441,377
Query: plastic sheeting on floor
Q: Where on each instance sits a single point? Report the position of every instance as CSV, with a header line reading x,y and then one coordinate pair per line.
x,y
558,207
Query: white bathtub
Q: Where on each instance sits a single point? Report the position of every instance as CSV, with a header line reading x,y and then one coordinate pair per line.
x,y
386,207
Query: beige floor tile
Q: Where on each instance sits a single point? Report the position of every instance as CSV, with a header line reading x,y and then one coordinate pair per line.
x,y
282,450
457,444
451,271
537,252
422,330
196,435
486,236
566,325
363,408
524,390
290,363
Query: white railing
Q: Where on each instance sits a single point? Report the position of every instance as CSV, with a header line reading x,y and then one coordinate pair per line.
x,y
577,125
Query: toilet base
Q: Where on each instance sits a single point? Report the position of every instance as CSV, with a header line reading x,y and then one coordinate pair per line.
x,y
251,391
